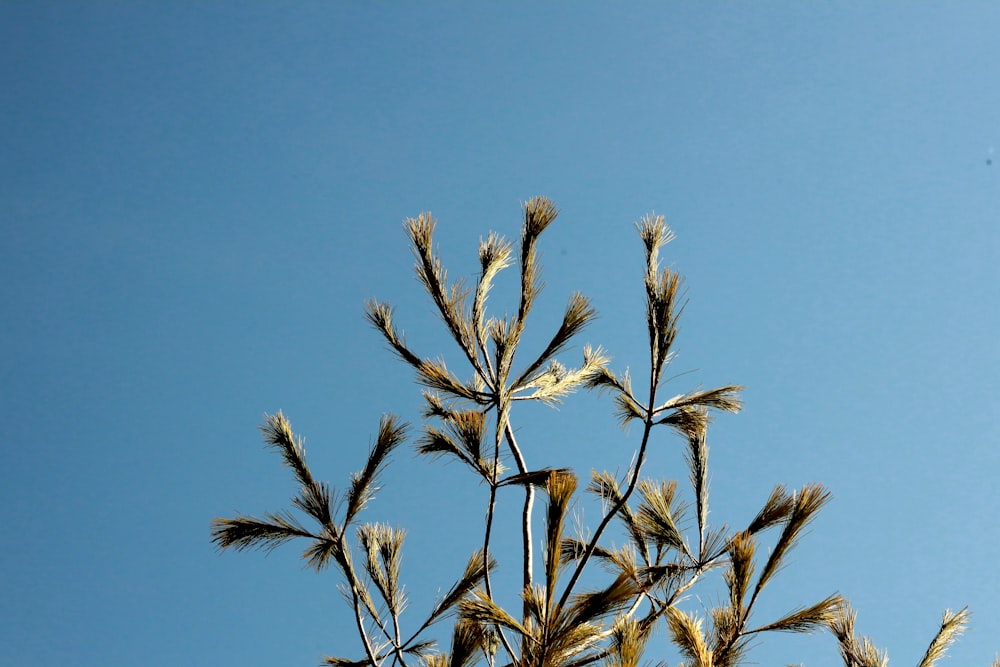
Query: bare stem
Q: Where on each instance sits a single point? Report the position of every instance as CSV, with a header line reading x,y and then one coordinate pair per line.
x,y
529,502
352,581
592,545
396,644
647,429
490,510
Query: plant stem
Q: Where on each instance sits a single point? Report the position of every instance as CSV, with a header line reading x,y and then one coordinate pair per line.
x,y
647,429
529,502
352,580
490,509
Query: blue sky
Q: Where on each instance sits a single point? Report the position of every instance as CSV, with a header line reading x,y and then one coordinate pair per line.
x,y
197,200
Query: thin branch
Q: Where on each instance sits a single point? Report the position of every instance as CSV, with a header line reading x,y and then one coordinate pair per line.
x,y
529,503
490,509
353,583
633,482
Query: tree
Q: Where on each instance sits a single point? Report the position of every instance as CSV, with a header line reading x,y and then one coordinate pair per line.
x,y
558,624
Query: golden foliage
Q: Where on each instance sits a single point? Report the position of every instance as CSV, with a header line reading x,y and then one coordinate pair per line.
x,y
650,574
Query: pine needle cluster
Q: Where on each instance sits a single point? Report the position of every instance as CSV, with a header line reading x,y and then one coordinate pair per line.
x,y
669,545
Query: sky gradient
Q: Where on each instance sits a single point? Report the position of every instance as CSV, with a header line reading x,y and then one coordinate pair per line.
x,y
196,201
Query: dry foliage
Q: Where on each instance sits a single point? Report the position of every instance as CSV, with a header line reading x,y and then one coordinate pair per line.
x,y
558,625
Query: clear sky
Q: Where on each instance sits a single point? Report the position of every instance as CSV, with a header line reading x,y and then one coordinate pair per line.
x,y
196,199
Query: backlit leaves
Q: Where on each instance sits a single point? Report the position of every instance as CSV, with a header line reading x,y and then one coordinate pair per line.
x,y
855,651
651,573
449,299
433,374
806,504
657,514
952,626
243,533
628,642
479,608
382,546
559,486
807,619
662,294
778,507
473,574
741,568
578,314
590,607
686,633
391,433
